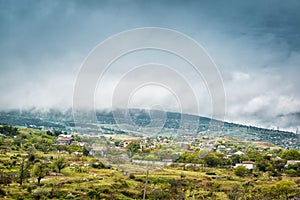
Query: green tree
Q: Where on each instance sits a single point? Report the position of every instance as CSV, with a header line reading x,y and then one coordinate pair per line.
x,y
151,157
74,148
132,148
77,148
278,165
183,157
284,189
213,159
292,154
293,170
24,170
241,171
236,159
59,164
43,144
39,171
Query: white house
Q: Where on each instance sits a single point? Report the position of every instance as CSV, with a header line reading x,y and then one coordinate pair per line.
x,y
292,162
239,153
247,164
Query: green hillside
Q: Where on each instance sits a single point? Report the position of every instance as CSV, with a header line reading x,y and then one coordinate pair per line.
x,y
32,166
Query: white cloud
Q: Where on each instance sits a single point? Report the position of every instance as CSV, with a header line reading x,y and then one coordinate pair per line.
x,y
240,76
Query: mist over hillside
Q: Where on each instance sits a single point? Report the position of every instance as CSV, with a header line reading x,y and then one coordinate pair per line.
x,y
140,122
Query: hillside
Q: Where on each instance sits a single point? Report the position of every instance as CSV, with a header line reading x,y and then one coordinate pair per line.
x,y
34,166
192,125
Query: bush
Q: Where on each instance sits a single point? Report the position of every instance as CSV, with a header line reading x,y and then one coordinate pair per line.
x,y
291,172
211,173
241,171
2,193
98,165
159,194
5,178
94,194
132,176
40,193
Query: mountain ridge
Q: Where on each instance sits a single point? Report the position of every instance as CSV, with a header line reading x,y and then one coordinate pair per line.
x,y
175,123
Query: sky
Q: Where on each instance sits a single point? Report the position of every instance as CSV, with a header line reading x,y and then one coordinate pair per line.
x,y
255,45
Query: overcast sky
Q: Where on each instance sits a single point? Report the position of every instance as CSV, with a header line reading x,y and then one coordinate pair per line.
x,y
255,44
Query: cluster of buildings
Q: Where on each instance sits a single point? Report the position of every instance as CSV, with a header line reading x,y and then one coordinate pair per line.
x,y
148,143
201,142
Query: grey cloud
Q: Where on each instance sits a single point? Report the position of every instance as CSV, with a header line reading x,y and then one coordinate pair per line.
x,y
255,44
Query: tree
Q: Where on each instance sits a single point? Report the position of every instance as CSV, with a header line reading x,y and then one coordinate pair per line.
x,y
74,148
39,171
132,148
77,148
213,159
284,189
241,171
236,159
43,144
59,164
151,157
293,170
292,154
24,171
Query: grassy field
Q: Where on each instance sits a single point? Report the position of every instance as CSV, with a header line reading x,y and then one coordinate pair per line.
x,y
88,177
128,182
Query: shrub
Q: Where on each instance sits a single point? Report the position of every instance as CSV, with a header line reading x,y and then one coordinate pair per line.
x,y
132,176
98,165
211,173
241,171
159,194
40,193
2,192
291,172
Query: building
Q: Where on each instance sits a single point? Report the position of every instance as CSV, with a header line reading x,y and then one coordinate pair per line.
x,y
63,139
99,150
240,153
246,164
292,162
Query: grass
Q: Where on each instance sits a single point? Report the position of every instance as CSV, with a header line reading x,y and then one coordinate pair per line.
x,y
117,183
113,184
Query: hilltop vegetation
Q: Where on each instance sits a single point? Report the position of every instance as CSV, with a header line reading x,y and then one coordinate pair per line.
x,y
32,166
192,125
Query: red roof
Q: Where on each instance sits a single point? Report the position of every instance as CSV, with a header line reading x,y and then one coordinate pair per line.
x,y
248,162
132,140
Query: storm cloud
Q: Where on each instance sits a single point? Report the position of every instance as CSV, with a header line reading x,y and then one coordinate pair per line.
x,y
255,44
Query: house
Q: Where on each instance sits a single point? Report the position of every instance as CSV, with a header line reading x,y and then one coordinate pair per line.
x,y
77,153
82,144
190,151
292,162
100,150
64,139
239,153
247,164
221,147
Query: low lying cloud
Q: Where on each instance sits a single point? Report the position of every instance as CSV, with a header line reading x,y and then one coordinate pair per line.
x,y
256,46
